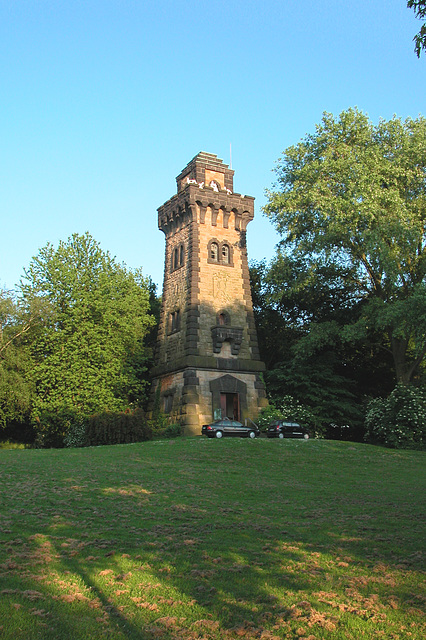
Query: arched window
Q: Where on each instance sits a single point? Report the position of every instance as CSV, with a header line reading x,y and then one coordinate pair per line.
x,y
177,257
223,319
220,253
214,252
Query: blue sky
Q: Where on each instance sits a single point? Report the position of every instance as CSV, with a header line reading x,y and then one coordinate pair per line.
x,y
103,103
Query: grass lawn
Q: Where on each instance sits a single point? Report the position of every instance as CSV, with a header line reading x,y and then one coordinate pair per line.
x,y
212,539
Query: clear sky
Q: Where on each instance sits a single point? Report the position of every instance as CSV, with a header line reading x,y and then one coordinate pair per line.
x,y
104,102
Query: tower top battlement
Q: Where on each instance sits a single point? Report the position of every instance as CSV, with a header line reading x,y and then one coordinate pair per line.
x,y
206,181
208,170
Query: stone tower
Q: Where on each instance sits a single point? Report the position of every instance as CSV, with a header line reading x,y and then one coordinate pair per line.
x,y
207,357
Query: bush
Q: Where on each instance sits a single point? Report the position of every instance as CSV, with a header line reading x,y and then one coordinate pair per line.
x,y
52,427
117,428
173,431
398,421
76,436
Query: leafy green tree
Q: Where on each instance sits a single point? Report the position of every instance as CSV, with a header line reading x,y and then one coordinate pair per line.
x,y
301,305
88,354
419,7
352,196
15,392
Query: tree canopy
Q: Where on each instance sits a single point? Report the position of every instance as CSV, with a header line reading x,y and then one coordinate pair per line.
x,y
352,196
15,391
419,7
87,352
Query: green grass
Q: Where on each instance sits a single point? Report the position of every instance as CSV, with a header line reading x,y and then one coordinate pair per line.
x,y
205,539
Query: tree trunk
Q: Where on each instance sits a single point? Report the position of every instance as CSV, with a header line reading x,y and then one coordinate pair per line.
x,y
405,370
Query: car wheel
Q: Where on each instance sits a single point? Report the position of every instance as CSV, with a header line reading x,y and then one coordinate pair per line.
x,y
306,436
251,434
219,434
281,435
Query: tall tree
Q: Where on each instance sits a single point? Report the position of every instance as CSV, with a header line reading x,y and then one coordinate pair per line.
x,y
88,354
15,392
353,195
301,311
419,7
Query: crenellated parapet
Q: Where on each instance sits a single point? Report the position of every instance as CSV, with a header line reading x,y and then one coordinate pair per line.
x,y
205,196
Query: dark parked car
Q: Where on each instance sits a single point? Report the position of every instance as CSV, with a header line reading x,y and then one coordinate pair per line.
x,y
226,427
282,429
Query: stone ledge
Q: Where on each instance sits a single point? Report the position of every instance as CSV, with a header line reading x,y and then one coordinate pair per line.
x,y
209,363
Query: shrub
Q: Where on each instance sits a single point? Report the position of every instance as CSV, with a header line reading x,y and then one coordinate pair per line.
x,y
76,436
398,421
173,431
52,427
117,428
159,422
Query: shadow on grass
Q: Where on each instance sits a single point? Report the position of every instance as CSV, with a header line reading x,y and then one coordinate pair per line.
x,y
143,554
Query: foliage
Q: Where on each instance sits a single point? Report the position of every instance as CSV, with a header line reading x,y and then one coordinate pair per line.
x,y
288,408
7,444
155,309
15,391
419,7
398,421
160,422
117,428
301,306
53,425
173,431
225,540
352,197
88,353
76,434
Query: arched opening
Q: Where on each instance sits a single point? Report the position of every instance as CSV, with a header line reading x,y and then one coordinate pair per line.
x,y
214,252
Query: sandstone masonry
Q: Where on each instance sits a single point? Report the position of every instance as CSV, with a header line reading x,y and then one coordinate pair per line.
x,y
207,357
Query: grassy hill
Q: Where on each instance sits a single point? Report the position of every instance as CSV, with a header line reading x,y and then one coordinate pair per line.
x,y
205,539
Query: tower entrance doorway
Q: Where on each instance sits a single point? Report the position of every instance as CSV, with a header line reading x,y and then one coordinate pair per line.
x,y
230,406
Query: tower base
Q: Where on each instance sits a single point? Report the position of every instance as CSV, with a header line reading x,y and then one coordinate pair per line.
x,y
194,396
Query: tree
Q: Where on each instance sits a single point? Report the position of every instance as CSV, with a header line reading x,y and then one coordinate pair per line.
x,y
301,305
353,196
15,392
419,7
88,354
